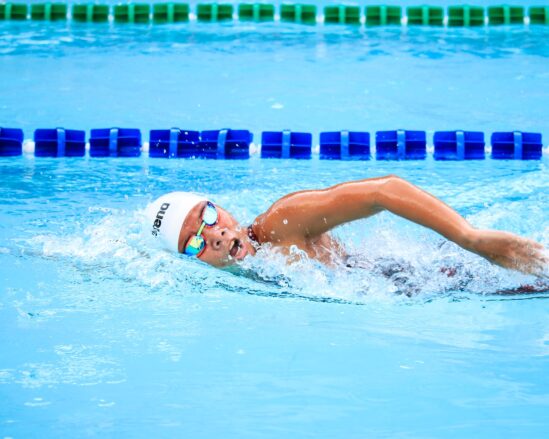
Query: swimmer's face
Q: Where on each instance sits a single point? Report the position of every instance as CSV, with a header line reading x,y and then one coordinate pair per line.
x,y
226,242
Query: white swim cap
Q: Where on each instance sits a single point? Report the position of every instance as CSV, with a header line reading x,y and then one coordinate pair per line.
x,y
166,215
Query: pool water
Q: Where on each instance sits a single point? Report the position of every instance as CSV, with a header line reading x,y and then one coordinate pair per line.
x,y
103,334
274,76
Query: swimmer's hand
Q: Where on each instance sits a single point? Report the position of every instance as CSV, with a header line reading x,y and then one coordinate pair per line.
x,y
510,251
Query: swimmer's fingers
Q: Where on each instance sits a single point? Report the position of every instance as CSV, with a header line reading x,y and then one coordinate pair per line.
x,y
531,258
540,259
541,268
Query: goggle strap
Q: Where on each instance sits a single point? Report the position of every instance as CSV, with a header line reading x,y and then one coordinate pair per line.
x,y
201,229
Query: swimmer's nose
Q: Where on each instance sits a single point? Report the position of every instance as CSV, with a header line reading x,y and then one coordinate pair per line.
x,y
217,237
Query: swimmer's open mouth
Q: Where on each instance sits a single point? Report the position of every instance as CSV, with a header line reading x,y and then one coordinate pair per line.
x,y
235,246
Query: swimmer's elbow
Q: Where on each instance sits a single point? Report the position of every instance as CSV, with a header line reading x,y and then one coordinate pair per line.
x,y
388,186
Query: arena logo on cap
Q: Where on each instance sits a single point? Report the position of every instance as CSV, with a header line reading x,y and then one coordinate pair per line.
x,y
159,217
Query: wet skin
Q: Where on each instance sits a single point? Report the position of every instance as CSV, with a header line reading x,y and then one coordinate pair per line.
x,y
304,219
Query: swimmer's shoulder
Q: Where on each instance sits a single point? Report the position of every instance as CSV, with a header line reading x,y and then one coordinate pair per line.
x,y
259,231
279,224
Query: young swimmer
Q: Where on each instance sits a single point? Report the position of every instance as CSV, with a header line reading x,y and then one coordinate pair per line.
x,y
191,224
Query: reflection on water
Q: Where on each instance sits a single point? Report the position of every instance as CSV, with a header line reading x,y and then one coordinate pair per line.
x,y
436,43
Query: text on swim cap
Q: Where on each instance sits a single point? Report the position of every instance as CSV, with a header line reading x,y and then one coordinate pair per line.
x,y
159,217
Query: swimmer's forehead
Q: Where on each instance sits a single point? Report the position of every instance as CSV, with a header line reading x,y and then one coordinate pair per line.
x,y
194,217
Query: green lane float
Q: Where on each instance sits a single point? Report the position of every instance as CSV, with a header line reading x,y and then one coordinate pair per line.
x,y
539,15
298,13
49,11
383,15
342,14
171,12
505,15
90,13
371,15
13,11
257,12
132,13
214,12
466,16
425,15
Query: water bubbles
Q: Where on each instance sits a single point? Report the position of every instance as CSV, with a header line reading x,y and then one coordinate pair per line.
x,y
104,403
37,402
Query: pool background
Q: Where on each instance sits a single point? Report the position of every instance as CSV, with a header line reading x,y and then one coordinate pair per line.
x,y
273,76
103,334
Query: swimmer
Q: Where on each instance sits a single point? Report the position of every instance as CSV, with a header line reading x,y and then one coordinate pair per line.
x,y
191,224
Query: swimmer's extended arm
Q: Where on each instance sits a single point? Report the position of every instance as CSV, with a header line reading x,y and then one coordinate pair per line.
x,y
307,214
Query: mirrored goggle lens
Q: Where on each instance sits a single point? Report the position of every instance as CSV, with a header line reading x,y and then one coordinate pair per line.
x,y
210,214
194,246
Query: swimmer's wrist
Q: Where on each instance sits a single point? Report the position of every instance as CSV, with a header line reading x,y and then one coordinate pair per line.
x,y
472,240
487,243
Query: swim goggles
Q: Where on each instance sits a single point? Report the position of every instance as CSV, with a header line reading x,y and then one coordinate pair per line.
x,y
196,244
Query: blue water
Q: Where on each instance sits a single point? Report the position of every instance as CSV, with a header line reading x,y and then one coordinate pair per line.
x,y
274,76
102,334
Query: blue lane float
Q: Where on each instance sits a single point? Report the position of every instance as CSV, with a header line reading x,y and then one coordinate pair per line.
x,y
344,145
459,145
225,144
11,142
115,142
401,145
173,143
210,144
59,142
286,144
235,144
516,145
